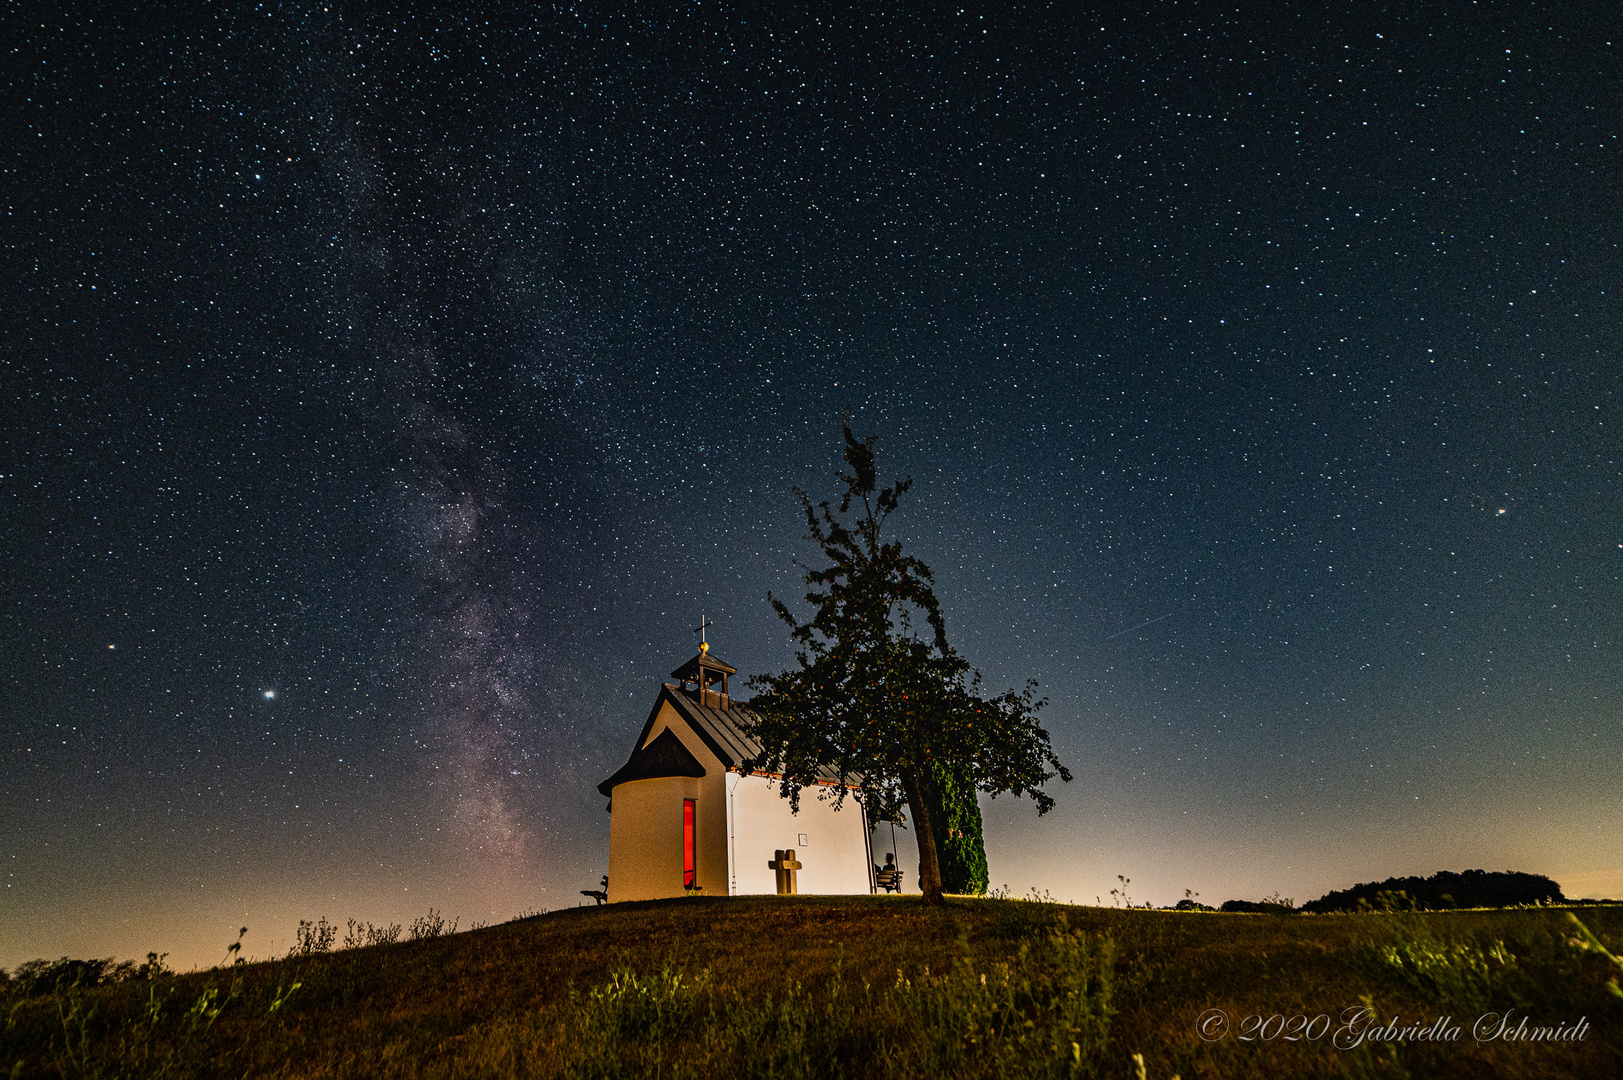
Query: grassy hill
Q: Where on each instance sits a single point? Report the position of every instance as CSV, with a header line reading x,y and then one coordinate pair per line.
x,y
870,987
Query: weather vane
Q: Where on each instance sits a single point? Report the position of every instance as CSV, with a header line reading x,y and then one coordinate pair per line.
x,y
704,646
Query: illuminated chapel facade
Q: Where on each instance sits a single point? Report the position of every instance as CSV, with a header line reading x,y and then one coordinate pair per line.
x,y
685,817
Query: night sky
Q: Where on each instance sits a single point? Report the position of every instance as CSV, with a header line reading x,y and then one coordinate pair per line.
x,y
386,397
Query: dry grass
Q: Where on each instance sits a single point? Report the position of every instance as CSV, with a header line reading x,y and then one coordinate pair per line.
x,y
858,987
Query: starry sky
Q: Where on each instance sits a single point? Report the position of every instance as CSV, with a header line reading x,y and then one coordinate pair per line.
x,y
387,395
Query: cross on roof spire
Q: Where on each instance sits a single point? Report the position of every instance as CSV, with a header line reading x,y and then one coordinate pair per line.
x,y
704,646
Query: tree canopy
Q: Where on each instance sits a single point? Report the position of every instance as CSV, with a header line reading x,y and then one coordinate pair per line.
x,y
878,695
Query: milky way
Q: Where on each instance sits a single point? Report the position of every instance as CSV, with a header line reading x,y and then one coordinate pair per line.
x,y
433,373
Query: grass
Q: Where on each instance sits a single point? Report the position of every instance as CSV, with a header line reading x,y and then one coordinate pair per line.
x,y
860,987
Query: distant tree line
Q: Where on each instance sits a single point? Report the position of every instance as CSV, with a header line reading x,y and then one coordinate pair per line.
x,y
1442,891
40,977
1260,907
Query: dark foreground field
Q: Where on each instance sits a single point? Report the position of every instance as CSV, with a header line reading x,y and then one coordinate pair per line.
x,y
868,987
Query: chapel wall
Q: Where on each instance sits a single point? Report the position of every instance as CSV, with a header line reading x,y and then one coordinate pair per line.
x,y
835,858
655,817
645,837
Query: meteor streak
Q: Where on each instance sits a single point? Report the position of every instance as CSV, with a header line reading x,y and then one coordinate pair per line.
x,y
1140,626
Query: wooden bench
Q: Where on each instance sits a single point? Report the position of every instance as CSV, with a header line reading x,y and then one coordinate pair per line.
x,y
889,880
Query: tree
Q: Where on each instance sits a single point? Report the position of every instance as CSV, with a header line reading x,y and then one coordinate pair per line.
x,y
873,701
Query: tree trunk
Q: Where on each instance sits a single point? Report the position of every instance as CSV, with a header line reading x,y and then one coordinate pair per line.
x,y
924,832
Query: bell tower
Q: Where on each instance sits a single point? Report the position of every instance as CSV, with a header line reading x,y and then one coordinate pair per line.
x,y
700,676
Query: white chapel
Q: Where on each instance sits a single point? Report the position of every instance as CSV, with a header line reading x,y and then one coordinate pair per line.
x,y
684,817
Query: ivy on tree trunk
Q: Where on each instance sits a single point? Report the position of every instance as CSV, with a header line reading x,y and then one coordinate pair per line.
x,y
955,818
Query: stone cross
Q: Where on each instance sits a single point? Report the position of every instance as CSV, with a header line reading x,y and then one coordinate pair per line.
x,y
786,864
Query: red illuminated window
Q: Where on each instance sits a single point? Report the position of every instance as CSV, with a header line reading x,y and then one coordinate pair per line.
x,y
687,843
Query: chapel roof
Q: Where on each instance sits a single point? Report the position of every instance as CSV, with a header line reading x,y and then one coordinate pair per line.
x,y
664,756
721,730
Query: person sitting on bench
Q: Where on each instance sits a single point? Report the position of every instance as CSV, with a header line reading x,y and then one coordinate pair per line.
x,y
888,877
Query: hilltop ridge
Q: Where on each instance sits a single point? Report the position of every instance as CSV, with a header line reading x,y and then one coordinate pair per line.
x,y
881,987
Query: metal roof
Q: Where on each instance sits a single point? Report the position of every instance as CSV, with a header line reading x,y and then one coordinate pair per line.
x,y
721,730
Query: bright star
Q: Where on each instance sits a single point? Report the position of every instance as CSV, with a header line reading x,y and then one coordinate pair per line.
x,y
270,693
